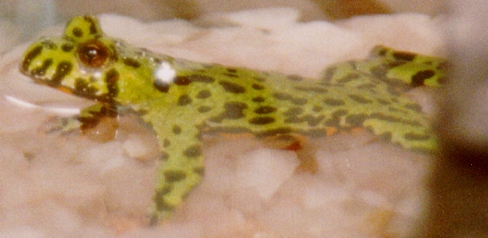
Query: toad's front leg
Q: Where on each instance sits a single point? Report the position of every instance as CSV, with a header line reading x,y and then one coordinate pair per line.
x,y
98,122
181,167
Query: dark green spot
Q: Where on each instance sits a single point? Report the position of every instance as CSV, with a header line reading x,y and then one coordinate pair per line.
x,y
77,32
232,70
317,109
193,151
199,170
265,110
359,99
335,119
164,156
165,190
203,94
382,52
172,176
185,80
184,100
132,62
349,78
203,109
231,75
42,70
232,87
356,120
166,143
261,120
111,78
143,52
67,47
84,90
161,205
383,101
294,111
393,64
419,78
176,130
405,56
29,56
62,70
93,28
329,74
257,86
233,110
161,86
182,80
49,44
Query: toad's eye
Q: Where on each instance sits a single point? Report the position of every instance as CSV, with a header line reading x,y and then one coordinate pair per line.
x,y
93,53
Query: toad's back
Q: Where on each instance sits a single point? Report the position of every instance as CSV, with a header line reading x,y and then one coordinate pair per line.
x,y
181,99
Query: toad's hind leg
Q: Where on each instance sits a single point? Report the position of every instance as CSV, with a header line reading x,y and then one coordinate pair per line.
x,y
399,69
406,130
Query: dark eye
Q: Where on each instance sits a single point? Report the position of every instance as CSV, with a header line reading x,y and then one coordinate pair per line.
x,y
93,53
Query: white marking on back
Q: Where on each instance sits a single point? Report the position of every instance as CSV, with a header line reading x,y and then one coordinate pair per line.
x,y
165,74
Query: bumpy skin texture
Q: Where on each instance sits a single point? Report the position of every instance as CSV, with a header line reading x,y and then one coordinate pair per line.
x,y
181,99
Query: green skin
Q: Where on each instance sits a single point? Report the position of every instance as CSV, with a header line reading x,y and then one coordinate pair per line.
x,y
211,98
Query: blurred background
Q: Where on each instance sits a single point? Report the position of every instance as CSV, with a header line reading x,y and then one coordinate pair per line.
x,y
26,17
459,188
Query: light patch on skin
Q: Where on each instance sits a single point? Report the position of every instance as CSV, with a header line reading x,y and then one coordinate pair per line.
x,y
165,74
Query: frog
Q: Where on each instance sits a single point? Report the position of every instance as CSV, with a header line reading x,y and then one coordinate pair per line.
x,y
182,100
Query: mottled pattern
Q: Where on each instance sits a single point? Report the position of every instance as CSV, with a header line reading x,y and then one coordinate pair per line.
x,y
210,98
